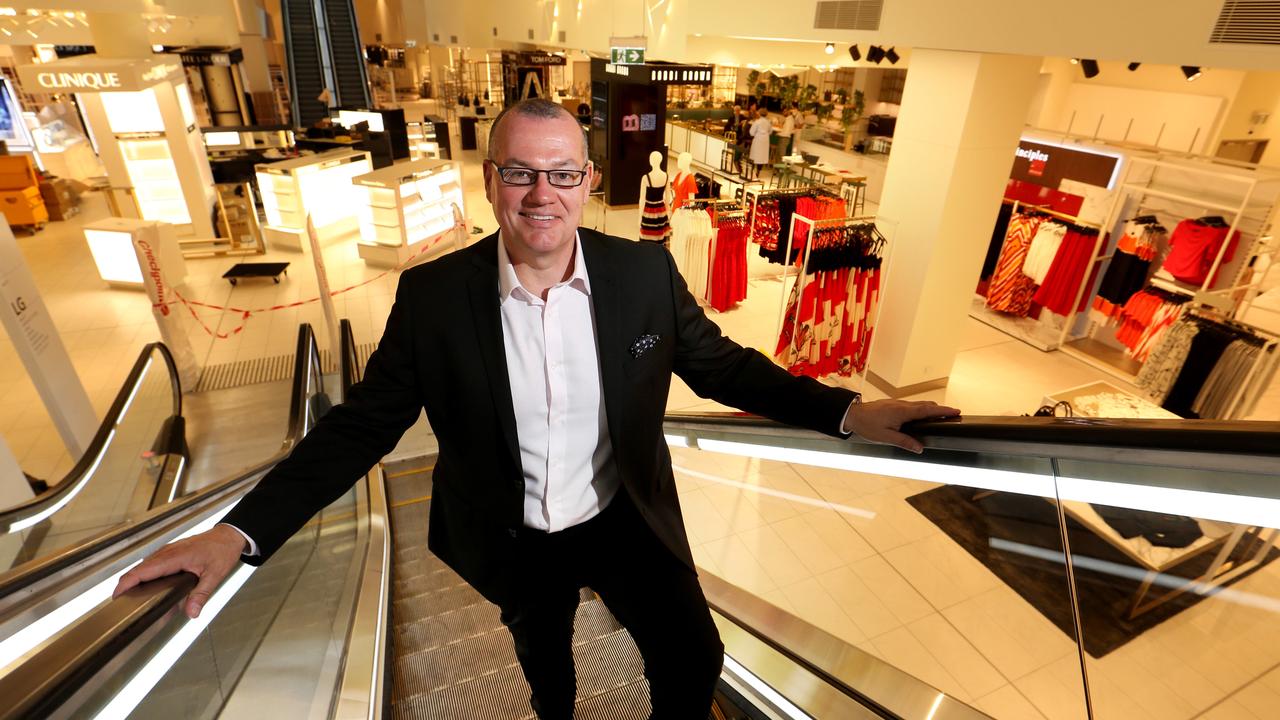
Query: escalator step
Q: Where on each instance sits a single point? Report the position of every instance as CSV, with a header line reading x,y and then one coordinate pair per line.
x,y
413,635
437,602
629,702
453,664
504,695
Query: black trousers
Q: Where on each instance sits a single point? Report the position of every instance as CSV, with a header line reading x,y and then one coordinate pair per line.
x,y
654,595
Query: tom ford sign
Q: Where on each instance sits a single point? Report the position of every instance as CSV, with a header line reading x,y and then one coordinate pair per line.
x,y
93,74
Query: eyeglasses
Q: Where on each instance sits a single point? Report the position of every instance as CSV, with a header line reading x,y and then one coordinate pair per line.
x,y
529,176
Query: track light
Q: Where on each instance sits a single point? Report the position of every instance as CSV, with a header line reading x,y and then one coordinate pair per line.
x,y
854,54
1089,68
830,48
875,54
1133,66
892,56
1191,72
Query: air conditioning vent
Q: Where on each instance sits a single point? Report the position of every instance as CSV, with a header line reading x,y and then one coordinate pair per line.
x,y
530,33
1248,22
562,36
453,39
848,15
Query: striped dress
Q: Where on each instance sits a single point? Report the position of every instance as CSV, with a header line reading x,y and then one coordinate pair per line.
x,y
654,224
1010,290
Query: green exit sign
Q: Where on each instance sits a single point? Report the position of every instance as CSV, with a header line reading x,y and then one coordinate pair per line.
x,y
628,56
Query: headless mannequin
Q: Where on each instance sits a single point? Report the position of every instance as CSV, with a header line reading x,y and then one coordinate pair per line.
x,y
683,188
656,177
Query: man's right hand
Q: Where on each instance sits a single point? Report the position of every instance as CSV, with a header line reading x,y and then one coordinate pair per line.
x,y
209,556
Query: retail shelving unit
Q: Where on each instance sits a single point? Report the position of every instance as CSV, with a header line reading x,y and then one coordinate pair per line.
x,y
408,209
1174,189
315,185
424,144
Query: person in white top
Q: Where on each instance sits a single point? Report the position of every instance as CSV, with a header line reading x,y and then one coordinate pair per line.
x,y
543,355
788,129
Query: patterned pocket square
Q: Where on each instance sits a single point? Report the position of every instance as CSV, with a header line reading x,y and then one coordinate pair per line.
x,y
643,344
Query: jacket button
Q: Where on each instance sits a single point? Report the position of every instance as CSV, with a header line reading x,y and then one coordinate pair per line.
x,y
511,532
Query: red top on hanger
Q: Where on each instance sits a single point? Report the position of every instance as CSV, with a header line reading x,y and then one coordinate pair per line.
x,y
683,189
1194,248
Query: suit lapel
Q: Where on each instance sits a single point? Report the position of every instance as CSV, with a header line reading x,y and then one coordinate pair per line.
x,y
483,292
606,300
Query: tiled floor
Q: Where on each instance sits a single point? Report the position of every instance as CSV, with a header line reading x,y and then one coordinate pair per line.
x,y
843,551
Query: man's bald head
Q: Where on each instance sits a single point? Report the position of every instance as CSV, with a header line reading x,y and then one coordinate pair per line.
x,y
534,108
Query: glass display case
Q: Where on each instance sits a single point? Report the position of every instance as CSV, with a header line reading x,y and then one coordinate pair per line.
x,y
424,142
408,209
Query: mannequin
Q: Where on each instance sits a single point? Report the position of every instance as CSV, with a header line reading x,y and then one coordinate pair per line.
x,y
684,186
655,196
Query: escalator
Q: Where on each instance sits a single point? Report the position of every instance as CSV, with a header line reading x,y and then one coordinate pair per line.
x,y
136,461
934,580
323,48
130,494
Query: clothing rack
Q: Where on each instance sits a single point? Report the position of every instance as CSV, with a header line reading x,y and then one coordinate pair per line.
x,y
1074,220
800,277
751,196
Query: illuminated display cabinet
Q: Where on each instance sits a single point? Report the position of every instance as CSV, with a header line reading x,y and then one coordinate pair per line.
x,y
139,112
318,185
406,205
111,245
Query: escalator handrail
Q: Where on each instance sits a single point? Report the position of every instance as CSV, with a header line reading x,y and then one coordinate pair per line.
x,y
80,473
36,688
22,577
1226,437
58,669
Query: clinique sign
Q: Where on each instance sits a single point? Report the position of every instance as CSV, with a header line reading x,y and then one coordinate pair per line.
x,y
78,80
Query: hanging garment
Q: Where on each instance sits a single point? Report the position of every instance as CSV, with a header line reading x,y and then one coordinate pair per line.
x,y
684,188
654,225
1062,281
765,226
1130,267
1043,250
1164,364
691,234
729,264
997,239
1205,351
829,320
1226,380
1194,247
1010,290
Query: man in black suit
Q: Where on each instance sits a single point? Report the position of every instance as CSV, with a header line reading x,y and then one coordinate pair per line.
x,y
543,356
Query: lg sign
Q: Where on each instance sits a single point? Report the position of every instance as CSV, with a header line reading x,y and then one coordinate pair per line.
x,y
78,80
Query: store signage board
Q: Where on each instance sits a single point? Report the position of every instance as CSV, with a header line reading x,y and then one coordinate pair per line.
x,y
40,347
627,55
1048,165
93,74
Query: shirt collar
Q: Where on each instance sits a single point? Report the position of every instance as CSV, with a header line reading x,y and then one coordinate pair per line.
x,y
508,282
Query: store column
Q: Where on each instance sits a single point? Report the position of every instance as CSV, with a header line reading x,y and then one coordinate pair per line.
x,y
961,117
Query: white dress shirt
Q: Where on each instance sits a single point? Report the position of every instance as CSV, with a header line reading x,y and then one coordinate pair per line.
x,y
554,369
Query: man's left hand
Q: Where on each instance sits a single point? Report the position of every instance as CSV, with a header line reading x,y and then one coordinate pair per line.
x,y
881,421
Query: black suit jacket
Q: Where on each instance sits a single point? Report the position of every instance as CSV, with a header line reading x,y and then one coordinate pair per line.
x,y
443,351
